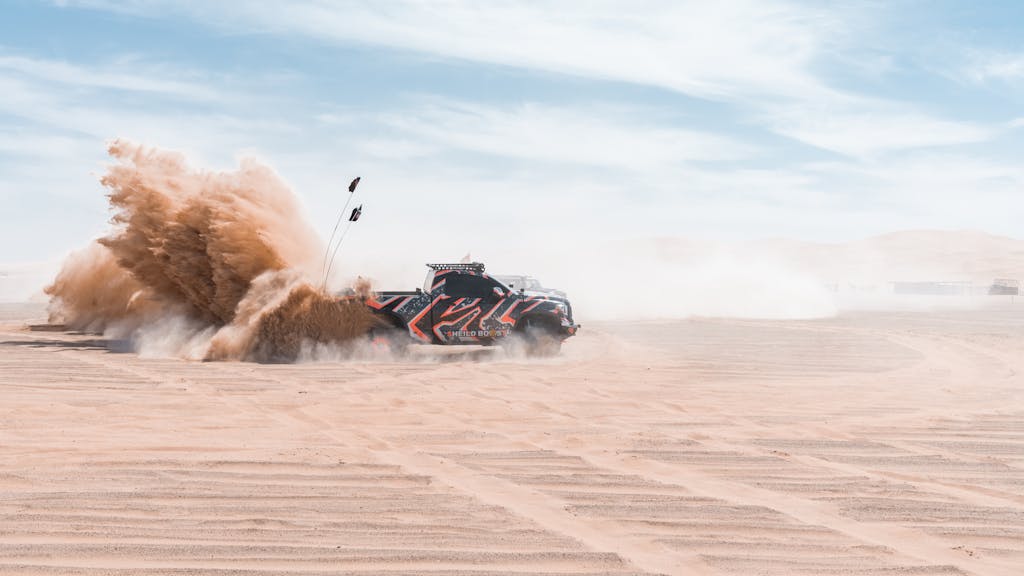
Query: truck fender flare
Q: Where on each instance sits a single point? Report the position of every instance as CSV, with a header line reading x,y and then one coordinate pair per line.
x,y
391,319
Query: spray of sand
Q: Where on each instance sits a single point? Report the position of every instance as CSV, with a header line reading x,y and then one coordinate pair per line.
x,y
228,251
91,291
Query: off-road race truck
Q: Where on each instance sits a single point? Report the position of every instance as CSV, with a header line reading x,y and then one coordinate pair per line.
x,y
461,304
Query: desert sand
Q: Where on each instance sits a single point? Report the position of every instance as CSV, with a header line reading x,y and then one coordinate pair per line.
x,y
869,443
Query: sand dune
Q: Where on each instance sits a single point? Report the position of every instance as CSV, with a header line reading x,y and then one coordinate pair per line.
x,y
867,444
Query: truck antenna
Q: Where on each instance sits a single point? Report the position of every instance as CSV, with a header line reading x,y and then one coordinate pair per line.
x,y
324,269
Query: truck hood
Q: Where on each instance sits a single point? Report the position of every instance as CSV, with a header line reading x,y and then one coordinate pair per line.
x,y
555,296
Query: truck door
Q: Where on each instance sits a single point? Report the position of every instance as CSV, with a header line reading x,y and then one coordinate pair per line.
x,y
456,317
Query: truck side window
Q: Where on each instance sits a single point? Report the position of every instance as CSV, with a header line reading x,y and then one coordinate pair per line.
x,y
466,286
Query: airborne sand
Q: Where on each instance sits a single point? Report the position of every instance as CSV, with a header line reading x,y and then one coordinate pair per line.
x,y
871,443
221,264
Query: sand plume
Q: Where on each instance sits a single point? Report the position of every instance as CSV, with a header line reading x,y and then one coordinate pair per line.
x,y
194,243
281,313
201,238
91,291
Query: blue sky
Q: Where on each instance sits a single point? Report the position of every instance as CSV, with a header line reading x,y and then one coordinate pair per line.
x,y
530,121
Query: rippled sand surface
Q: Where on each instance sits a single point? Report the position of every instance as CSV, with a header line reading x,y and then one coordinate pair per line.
x,y
869,444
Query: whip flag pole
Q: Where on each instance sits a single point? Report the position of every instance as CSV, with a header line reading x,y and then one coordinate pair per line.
x,y
325,269
356,213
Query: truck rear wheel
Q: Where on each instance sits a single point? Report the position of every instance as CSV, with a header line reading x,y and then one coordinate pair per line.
x,y
390,337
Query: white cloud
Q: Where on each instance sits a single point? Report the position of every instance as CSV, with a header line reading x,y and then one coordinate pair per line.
x,y
872,129
717,50
598,136
730,50
761,56
985,67
59,108
111,77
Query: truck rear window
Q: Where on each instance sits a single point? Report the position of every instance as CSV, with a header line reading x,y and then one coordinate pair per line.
x,y
466,286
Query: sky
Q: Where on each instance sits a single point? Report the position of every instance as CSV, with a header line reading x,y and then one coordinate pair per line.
x,y
476,126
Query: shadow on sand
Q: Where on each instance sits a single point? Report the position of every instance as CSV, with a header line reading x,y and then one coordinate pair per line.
x,y
123,346
117,346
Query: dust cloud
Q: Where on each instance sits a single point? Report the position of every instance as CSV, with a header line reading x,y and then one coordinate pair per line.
x,y
615,279
201,264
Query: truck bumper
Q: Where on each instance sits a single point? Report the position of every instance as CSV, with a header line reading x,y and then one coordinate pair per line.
x,y
570,330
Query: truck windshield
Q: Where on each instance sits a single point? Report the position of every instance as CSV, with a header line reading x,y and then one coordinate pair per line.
x,y
517,282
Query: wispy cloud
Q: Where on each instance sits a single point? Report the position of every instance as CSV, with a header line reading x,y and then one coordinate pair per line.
x,y
994,66
598,136
763,57
112,77
717,50
871,129
64,105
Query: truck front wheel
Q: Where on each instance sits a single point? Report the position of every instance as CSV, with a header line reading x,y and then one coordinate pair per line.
x,y
539,338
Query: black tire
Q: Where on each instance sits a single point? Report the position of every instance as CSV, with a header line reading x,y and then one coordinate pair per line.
x,y
390,337
540,338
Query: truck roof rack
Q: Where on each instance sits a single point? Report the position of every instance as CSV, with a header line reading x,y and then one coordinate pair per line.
x,y
477,267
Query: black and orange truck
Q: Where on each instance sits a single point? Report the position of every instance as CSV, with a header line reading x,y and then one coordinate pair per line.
x,y
462,304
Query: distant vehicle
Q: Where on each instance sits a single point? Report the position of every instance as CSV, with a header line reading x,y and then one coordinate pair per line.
x,y
933,288
461,304
1004,287
527,283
